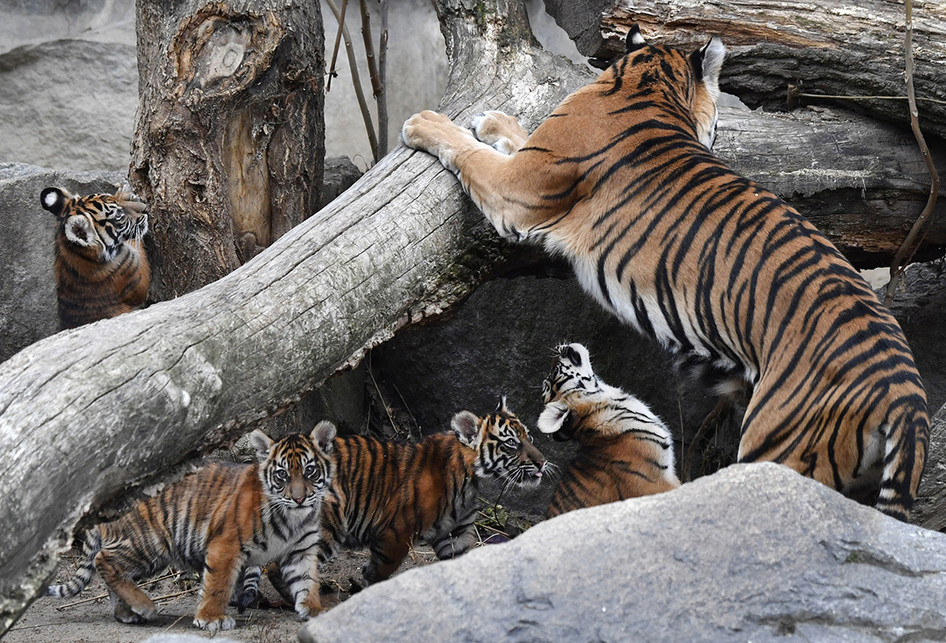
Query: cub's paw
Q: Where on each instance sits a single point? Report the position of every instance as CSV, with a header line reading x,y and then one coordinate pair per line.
x,y
499,130
309,606
215,625
134,615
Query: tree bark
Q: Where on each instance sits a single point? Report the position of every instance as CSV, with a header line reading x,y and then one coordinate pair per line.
x,y
229,143
833,47
87,412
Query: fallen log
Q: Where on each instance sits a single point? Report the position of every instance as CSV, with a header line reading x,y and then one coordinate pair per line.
x,y
834,47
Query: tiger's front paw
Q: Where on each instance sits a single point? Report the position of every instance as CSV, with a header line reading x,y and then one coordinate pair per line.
x,y
215,625
499,130
309,606
436,134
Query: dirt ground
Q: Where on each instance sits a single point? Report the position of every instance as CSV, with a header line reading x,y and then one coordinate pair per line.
x,y
87,618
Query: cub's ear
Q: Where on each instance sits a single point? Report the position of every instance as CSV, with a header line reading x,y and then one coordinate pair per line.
x,y
54,200
323,434
552,417
707,61
634,40
502,407
262,443
467,427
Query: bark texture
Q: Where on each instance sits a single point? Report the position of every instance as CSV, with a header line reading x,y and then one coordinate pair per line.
x,y
229,143
834,47
89,411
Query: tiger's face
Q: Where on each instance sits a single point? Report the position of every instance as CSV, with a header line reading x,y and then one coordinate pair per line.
x,y
572,379
697,74
96,226
296,471
503,446
572,372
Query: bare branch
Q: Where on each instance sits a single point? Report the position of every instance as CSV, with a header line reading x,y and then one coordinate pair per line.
x,y
921,226
338,38
356,80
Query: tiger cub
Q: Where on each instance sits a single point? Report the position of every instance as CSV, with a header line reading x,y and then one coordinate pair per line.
x,y
217,520
101,266
625,451
621,180
386,494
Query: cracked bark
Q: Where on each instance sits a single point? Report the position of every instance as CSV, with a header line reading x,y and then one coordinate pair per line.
x,y
834,47
229,139
87,412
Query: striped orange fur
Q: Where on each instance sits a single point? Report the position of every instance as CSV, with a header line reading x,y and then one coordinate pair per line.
x,y
101,266
386,494
624,450
217,520
743,290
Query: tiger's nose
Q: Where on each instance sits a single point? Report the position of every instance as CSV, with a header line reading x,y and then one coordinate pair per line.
x,y
299,501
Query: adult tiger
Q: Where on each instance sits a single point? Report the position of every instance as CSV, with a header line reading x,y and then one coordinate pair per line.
x,y
620,179
217,520
625,451
101,266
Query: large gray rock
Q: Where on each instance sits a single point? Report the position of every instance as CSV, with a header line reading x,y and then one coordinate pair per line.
x,y
68,104
754,552
28,287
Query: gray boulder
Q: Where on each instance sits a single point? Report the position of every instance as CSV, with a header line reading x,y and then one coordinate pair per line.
x,y
754,552
69,104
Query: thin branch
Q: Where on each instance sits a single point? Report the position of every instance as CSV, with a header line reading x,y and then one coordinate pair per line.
x,y
382,97
856,97
338,36
921,225
377,86
356,80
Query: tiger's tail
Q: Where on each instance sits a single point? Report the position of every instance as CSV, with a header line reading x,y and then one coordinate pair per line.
x,y
907,441
91,547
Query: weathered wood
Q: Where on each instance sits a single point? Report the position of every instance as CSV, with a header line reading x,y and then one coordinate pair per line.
x,y
229,139
833,47
89,411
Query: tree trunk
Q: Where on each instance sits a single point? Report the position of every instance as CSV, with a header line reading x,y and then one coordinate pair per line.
x,y
834,47
229,144
89,411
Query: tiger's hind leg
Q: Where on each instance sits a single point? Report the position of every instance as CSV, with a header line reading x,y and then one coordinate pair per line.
x,y
386,556
499,130
129,603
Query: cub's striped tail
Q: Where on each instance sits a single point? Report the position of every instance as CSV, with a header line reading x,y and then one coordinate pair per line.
x,y
92,546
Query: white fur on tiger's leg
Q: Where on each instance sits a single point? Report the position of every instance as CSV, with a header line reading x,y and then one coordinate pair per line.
x,y
502,186
300,573
499,130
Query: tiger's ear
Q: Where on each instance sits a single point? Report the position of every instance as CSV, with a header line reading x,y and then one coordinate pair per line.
x,y
502,408
707,61
467,427
323,434
262,443
552,417
79,231
634,40
54,200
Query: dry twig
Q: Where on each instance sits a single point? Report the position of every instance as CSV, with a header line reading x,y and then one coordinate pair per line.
x,y
921,226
